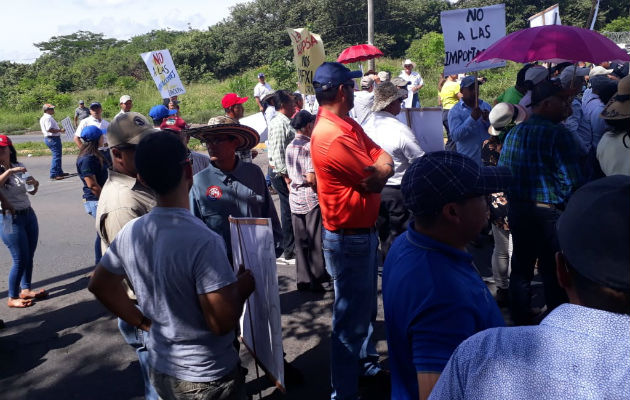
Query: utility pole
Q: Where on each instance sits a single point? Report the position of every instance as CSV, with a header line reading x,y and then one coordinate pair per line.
x,y
371,30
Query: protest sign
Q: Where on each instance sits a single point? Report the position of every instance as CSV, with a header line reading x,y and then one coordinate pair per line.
x,y
469,31
550,16
162,69
426,125
308,55
67,125
258,123
261,328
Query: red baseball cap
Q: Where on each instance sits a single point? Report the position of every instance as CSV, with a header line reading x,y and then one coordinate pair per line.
x,y
5,141
232,98
173,122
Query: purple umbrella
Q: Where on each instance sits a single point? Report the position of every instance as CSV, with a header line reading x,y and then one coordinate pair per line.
x,y
556,44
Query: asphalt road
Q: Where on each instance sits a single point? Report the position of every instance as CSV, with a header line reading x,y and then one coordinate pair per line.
x,y
68,346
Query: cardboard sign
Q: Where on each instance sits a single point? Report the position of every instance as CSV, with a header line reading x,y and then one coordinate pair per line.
x,y
426,125
66,123
162,69
550,16
308,55
469,31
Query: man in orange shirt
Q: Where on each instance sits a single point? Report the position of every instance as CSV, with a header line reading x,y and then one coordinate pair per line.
x,y
351,171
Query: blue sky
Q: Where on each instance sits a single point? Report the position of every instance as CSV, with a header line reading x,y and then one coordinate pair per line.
x,y
25,22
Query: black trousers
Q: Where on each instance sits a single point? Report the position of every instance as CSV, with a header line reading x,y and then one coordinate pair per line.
x,y
278,183
393,217
450,145
309,256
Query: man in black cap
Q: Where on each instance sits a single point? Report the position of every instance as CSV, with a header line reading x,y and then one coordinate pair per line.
x,y
544,158
580,350
433,296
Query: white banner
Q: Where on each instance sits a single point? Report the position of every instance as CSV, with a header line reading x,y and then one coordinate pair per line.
x,y
66,123
261,328
469,31
162,69
426,125
550,16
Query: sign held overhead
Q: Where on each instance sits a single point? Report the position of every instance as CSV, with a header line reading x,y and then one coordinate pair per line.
x,y
162,69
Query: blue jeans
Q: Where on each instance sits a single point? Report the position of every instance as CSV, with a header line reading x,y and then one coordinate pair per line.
x,y
22,243
351,261
54,144
135,338
288,240
415,101
90,208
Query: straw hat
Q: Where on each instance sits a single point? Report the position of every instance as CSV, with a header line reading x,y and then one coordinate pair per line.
x,y
618,106
223,125
385,94
504,114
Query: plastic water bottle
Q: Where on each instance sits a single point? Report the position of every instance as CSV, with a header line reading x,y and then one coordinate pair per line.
x,y
29,186
7,223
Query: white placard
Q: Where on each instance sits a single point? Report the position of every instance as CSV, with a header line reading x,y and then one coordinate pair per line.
x,y
550,16
162,69
261,328
258,123
66,123
426,125
469,31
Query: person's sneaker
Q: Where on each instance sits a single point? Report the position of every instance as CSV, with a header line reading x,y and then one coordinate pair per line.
x,y
502,297
288,255
65,174
58,177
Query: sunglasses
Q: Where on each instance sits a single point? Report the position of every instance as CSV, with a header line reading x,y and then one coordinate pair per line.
x,y
219,139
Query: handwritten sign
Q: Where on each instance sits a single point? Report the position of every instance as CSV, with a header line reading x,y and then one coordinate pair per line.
x,y
469,31
66,123
162,69
308,54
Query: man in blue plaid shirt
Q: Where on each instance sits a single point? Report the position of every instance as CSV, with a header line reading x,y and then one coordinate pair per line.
x,y
543,157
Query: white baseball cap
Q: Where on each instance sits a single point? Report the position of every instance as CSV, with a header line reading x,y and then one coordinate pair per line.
x,y
124,99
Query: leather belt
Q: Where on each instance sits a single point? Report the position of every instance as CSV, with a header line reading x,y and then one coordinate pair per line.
x,y
354,231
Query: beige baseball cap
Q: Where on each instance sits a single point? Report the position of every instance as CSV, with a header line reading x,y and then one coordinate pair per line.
x,y
128,128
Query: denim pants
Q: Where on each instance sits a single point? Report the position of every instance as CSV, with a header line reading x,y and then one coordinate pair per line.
x,y
501,256
288,240
229,387
351,261
54,144
135,338
90,208
534,237
22,243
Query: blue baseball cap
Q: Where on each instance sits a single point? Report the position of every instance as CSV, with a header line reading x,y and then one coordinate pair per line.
x,y
442,177
332,74
95,105
91,133
160,112
469,81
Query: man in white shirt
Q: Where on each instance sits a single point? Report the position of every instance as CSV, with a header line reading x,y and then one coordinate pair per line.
x,y
396,139
415,81
96,119
261,89
125,103
51,131
363,100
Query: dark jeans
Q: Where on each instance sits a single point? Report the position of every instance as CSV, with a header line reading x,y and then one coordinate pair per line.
x,y
288,241
309,257
534,237
90,208
230,387
393,217
54,144
450,145
22,243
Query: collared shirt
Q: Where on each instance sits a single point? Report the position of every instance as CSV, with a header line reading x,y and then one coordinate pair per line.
x,y
302,197
242,192
414,78
281,133
468,133
395,138
46,123
340,151
543,158
510,95
122,199
89,121
591,110
261,90
363,101
575,353
579,126
434,299
448,94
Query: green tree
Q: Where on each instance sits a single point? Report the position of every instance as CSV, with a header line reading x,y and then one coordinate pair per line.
x,y
428,51
621,24
69,47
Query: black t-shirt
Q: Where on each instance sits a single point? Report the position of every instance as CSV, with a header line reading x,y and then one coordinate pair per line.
x,y
90,165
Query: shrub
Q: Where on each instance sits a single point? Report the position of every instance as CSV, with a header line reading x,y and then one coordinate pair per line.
x,y
428,51
126,83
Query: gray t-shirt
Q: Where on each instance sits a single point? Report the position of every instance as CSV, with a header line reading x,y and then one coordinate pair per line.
x,y
171,257
14,189
81,113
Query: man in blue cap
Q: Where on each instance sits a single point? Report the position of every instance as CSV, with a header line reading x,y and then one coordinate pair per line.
x,y
351,171
95,119
433,295
159,112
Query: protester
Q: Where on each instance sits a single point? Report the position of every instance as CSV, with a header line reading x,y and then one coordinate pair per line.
x,y
580,350
468,122
399,142
514,94
415,81
534,76
80,113
306,217
351,170
502,117
92,167
190,299
363,101
261,90
613,150
298,102
95,119
158,113
383,76
125,103
269,106
233,106
50,130
573,79
433,296
449,96
122,199
544,160
176,125
603,88
280,134
21,237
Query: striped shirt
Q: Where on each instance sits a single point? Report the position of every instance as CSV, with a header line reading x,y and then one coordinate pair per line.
x,y
281,133
302,197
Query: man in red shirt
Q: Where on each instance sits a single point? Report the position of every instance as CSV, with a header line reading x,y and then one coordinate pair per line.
x,y
351,171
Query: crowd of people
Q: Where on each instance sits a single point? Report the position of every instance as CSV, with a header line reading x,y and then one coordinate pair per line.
x,y
545,170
